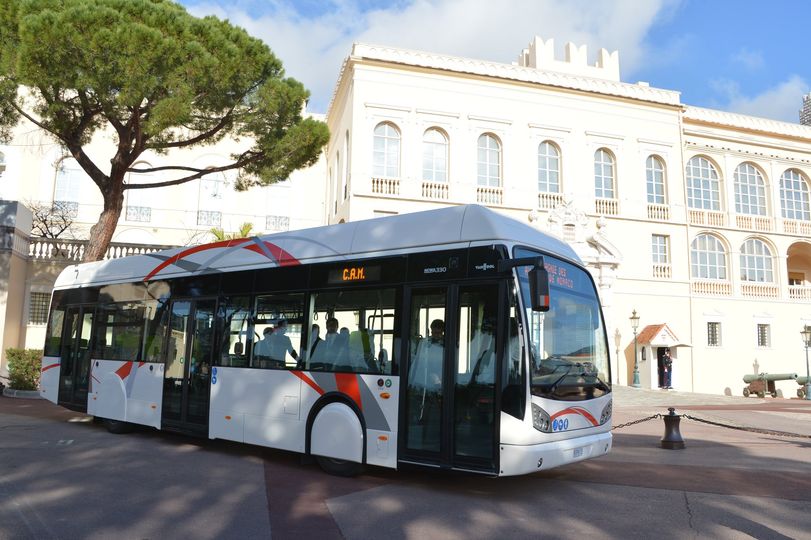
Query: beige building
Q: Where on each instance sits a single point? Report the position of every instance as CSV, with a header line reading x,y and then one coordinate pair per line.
x,y
697,219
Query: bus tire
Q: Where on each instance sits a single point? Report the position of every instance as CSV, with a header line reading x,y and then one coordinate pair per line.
x,y
339,467
118,427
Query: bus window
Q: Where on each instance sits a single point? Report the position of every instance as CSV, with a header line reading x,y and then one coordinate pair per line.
x,y
277,325
355,331
237,338
156,323
119,330
53,335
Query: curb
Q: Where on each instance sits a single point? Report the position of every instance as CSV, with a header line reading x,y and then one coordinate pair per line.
x,y
23,394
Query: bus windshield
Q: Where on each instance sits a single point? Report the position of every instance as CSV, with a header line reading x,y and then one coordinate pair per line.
x,y
568,351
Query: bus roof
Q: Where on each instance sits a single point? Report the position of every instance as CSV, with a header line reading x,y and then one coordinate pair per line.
x,y
430,230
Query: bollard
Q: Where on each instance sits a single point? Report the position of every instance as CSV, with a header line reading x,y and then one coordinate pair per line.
x,y
672,439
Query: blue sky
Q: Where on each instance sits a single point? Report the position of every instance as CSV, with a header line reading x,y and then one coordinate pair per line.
x,y
735,55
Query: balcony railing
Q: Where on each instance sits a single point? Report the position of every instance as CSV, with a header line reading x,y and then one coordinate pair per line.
x,y
49,249
607,207
489,195
754,223
662,270
707,217
794,226
799,292
712,288
658,212
386,186
760,290
548,201
435,190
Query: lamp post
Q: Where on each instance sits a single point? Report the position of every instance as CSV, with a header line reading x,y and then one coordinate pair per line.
x,y
634,318
806,334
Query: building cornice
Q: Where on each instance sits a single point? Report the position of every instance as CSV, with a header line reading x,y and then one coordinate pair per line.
x,y
423,59
750,123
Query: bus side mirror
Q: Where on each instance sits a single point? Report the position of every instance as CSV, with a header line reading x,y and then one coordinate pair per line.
x,y
539,289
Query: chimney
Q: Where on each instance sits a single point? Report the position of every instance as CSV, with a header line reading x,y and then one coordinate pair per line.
x,y
805,112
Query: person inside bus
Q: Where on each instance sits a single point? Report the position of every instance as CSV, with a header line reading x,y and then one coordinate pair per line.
x,y
261,352
331,352
280,345
425,378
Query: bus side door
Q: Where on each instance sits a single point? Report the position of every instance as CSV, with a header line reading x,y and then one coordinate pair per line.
x,y
74,373
449,415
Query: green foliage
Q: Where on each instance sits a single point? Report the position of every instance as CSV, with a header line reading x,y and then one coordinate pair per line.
x,y
157,79
245,231
24,368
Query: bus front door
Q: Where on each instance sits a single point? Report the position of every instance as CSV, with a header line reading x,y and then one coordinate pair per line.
x,y
187,372
74,371
450,416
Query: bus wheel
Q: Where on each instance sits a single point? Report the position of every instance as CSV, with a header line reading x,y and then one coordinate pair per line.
x,y
117,426
339,467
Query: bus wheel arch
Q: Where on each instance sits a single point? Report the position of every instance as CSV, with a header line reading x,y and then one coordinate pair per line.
x,y
336,435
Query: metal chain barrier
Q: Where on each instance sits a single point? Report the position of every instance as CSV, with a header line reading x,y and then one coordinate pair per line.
x,y
750,429
719,424
655,416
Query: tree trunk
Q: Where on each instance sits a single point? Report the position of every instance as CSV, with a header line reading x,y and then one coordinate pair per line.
x,y
102,232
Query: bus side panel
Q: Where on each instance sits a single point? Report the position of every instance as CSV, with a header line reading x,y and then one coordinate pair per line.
x,y
127,391
380,403
257,406
49,378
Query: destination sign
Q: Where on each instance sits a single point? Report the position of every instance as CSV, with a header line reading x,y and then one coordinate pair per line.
x,y
354,274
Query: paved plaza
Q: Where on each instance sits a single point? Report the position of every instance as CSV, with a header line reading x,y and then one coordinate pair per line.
x,y
63,476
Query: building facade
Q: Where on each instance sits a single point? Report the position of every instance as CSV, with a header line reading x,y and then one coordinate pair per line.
x,y
696,219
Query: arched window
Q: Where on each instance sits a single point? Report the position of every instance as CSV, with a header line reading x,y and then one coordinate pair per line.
x,y
489,161
708,259
70,178
209,200
703,186
548,168
750,191
655,174
139,207
386,152
346,165
756,261
603,174
794,200
434,156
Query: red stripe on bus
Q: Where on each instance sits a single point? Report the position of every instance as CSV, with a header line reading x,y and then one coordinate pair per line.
x,y
193,250
348,384
124,371
283,257
309,381
576,410
51,366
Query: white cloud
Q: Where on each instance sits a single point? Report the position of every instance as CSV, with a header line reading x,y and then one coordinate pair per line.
x,y
751,60
781,102
313,48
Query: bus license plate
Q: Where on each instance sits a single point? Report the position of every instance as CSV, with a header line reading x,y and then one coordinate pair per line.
x,y
578,452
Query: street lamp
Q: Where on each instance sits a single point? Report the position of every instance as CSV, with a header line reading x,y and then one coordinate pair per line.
x,y
634,318
806,334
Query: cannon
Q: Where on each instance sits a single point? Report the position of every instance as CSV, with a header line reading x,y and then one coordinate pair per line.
x,y
761,383
802,381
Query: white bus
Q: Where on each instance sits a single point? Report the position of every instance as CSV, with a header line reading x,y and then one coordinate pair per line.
x,y
453,338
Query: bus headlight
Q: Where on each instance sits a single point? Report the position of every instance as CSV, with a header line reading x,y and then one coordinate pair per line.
x,y
605,416
540,419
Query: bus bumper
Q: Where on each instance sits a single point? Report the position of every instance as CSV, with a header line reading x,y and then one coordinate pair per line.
x,y
516,459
